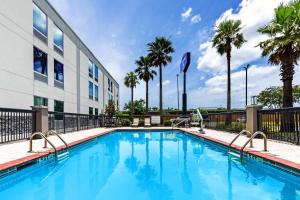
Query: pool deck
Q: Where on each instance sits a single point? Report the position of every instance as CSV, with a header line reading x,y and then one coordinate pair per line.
x,y
16,153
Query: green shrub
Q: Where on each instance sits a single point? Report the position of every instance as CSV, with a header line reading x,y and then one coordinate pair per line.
x,y
123,114
126,122
167,123
141,122
233,127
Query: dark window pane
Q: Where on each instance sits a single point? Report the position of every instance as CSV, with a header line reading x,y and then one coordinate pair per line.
x,y
90,69
58,106
111,86
58,71
96,72
40,101
58,38
40,61
108,84
96,111
90,90
90,111
96,92
39,20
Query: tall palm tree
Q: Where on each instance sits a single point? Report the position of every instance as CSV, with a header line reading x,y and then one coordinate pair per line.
x,y
160,54
283,45
228,34
145,73
131,81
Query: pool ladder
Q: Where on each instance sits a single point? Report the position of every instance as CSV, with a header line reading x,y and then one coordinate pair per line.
x,y
184,120
250,140
46,140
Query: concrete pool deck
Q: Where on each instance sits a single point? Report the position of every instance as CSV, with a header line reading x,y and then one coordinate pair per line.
x,y
16,153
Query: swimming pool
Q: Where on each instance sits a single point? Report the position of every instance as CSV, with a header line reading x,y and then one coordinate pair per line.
x,y
149,165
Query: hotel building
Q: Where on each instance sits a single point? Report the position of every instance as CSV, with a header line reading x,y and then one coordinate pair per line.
x,y
44,62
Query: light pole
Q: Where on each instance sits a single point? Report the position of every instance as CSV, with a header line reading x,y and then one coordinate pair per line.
x,y
246,69
177,75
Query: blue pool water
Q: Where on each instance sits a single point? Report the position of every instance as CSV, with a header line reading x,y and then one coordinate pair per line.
x,y
150,165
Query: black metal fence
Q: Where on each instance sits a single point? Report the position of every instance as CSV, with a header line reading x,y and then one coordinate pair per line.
x,y
280,124
69,122
228,121
16,124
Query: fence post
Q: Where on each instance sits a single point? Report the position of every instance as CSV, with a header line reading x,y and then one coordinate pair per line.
x,y
41,119
252,116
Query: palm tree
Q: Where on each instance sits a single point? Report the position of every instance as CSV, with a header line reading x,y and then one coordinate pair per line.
x,y
145,73
283,45
159,53
131,81
228,34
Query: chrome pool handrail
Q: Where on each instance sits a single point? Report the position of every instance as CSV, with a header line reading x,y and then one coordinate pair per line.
x,y
45,139
237,136
55,133
180,122
252,137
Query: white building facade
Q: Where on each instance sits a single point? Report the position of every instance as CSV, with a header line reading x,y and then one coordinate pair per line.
x,y
43,62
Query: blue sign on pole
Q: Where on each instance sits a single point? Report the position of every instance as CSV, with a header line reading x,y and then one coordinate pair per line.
x,y
185,62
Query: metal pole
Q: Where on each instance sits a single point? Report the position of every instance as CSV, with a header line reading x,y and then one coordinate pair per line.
x,y
184,99
177,92
246,68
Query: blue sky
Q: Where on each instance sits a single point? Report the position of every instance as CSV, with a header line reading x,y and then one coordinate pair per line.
x,y
117,32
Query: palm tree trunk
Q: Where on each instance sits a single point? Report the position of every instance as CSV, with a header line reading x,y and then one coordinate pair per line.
x,y
228,117
160,90
287,93
287,122
147,97
228,81
131,100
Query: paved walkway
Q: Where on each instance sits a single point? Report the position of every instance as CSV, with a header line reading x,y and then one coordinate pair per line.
x,y
18,150
276,149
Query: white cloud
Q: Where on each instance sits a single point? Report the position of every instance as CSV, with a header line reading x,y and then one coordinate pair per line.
x,y
253,14
164,83
178,33
196,19
186,14
215,88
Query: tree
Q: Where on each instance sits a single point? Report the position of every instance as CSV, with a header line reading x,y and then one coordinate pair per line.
x,y
283,45
228,34
138,107
110,108
131,82
272,97
145,73
159,53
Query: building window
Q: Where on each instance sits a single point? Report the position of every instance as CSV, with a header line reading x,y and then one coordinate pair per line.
x,y
90,90
96,92
58,38
90,69
40,101
96,72
58,106
110,97
58,71
40,61
108,84
39,20
111,86
91,111
96,111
